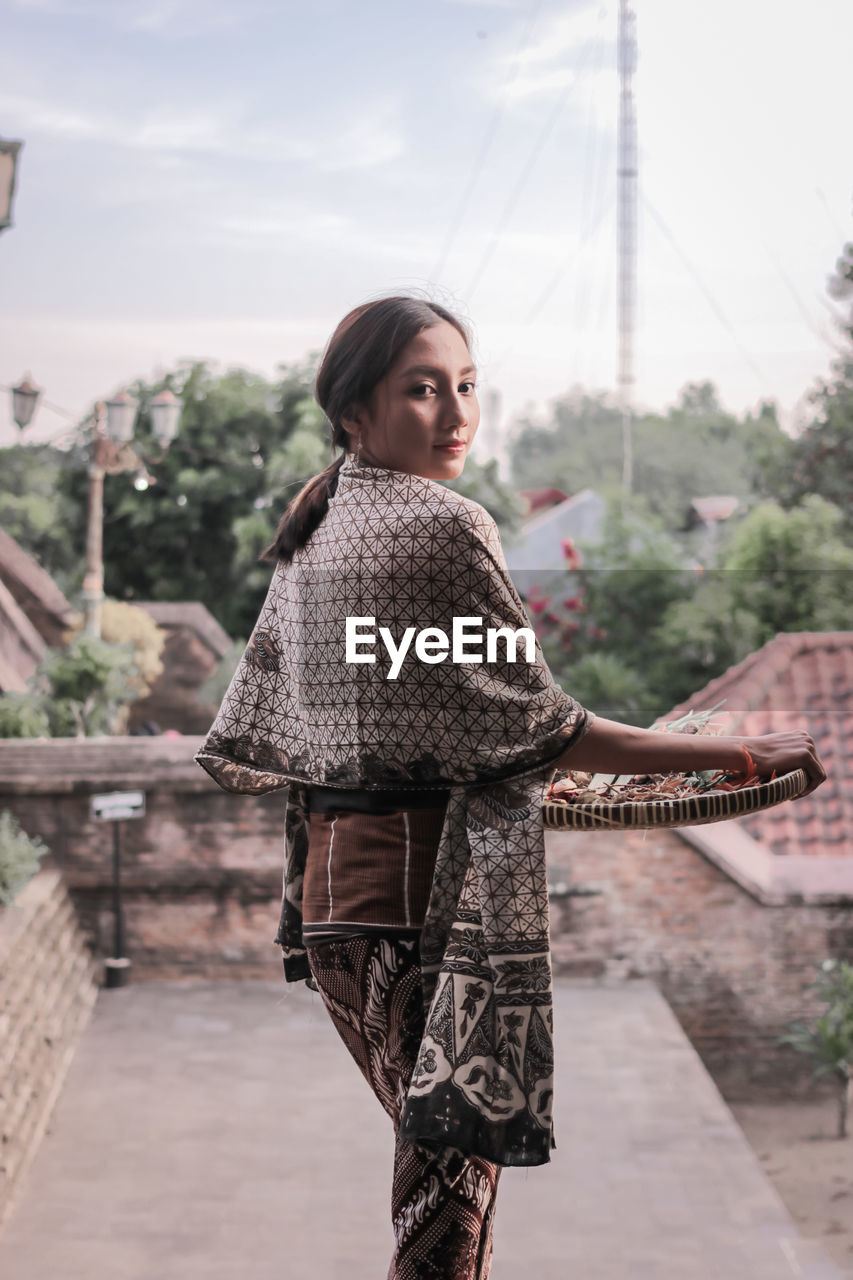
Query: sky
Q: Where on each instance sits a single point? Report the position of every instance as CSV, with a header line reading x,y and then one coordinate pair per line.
x,y
223,180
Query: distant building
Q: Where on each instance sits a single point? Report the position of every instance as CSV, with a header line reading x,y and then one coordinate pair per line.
x,y
34,614
195,643
538,547
541,499
798,680
732,918
706,516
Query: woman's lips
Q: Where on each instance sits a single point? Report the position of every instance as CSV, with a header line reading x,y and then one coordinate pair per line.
x,y
456,446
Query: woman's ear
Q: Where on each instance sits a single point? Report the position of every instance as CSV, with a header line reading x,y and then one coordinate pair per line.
x,y
352,420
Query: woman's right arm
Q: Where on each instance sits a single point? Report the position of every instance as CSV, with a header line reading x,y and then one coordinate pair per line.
x,y
612,747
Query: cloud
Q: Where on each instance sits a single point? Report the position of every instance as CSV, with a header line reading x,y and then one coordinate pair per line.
x,y
372,137
564,33
332,233
486,4
171,18
558,54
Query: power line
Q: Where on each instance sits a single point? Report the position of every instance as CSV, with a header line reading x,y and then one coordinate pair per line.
x,y
706,292
46,404
591,197
494,124
792,289
521,181
821,195
558,275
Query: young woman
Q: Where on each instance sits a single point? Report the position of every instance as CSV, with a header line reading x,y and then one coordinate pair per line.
x,y
415,898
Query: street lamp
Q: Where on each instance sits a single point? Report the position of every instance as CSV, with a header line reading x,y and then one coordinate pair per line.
x,y
121,415
8,171
24,400
112,430
165,410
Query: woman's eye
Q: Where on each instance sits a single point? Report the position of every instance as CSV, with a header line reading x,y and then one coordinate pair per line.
x,y
468,387
422,390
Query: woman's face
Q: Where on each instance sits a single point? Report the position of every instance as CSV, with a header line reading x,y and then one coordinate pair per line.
x,y
426,402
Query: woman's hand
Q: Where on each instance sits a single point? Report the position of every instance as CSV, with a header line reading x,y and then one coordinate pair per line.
x,y
611,747
783,752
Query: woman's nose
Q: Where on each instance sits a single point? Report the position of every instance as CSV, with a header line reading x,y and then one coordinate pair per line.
x,y
458,409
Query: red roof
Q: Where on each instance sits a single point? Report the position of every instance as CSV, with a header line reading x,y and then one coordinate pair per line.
x,y
798,680
542,499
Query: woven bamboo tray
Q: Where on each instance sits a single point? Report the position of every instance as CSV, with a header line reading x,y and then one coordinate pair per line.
x,y
692,811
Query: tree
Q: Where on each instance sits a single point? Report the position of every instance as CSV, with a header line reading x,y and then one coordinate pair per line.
x,y
245,447
822,457
703,634
578,446
597,626
37,511
779,571
179,539
792,569
696,449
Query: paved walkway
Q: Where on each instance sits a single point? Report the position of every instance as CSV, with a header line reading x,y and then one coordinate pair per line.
x,y
218,1131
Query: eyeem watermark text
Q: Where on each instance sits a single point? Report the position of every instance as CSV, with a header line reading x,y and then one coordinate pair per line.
x,y
434,645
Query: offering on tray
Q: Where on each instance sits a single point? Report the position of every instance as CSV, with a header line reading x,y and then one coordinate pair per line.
x,y
576,787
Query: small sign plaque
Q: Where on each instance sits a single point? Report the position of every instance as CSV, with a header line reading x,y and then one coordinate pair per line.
x,y
115,806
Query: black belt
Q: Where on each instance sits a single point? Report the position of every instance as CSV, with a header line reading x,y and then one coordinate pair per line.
x,y
325,799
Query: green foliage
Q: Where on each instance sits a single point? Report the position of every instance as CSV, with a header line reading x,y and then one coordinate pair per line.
x,y
822,457
85,686
19,857
829,1036
632,631
79,691
125,624
792,569
245,447
605,681
696,449
704,633
23,715
597,623
779,571
36,511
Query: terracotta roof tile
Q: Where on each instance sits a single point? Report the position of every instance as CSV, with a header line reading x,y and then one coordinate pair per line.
x,y
541,499
798,680
192,614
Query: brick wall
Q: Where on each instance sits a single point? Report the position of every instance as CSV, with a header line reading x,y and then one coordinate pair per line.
x,y
732,969
200,873
202,887
47,991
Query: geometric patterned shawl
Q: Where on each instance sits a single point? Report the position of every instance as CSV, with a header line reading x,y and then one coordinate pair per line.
x,y
410,553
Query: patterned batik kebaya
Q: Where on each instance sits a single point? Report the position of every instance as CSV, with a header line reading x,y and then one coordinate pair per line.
x,y
408,552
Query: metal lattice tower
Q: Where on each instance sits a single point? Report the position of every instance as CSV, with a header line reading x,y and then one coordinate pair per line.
x,y
626,231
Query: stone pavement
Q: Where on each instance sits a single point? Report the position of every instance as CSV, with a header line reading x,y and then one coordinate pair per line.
x,y
219,1131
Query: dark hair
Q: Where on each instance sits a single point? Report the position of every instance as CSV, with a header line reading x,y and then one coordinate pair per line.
x,y
359,353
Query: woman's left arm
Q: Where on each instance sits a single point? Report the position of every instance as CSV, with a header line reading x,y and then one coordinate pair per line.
x,y
611,747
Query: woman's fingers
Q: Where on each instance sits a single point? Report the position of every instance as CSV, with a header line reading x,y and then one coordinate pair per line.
x,y
784,752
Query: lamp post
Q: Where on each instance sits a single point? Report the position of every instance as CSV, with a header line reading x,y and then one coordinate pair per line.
x,y
8,171
112,431
112,426
24,400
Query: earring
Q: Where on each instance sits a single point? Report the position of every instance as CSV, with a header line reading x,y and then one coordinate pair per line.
x,y
358,452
